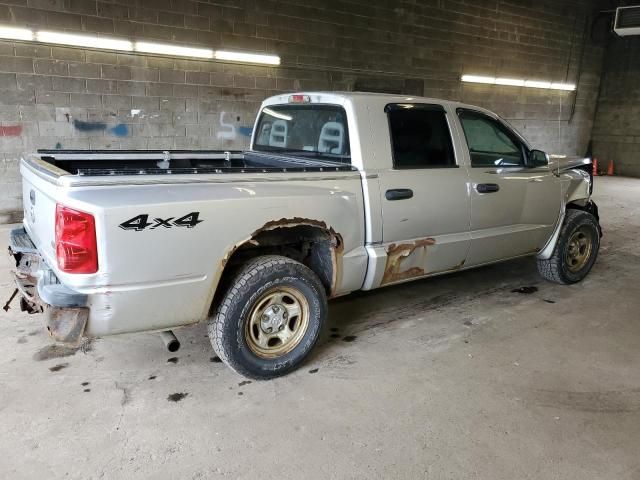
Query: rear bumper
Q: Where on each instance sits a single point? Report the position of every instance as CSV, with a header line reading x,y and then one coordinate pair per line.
x,y
65,310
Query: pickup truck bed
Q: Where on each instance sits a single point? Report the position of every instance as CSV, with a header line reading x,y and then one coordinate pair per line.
x,y
167,162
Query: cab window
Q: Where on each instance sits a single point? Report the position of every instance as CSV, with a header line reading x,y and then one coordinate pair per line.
x,y
308,130
490,143
420,136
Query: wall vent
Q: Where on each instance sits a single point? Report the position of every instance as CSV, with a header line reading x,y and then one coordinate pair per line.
x,y
627,21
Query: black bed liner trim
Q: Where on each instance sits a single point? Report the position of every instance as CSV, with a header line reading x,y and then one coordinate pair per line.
x,y
168,162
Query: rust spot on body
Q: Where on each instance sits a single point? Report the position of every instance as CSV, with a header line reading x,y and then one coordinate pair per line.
x,y
397,254
291,222
335,241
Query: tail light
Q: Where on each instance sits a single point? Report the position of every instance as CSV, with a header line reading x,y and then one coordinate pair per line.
x,y
76,248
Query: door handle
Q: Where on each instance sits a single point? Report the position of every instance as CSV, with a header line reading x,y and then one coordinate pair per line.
x,y
487,187
399,194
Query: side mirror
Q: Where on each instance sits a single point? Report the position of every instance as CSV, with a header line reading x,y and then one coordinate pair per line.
x,y
538,158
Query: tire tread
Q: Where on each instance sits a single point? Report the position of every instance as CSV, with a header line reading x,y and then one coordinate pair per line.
x,y
254,268
551,269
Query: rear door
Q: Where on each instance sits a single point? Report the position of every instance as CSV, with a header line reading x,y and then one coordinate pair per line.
x,y
425,202
514,208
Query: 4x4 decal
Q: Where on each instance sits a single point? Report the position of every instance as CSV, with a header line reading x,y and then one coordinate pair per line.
x,y
140,222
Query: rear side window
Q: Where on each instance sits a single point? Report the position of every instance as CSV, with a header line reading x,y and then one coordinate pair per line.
x,y
420,136
490,143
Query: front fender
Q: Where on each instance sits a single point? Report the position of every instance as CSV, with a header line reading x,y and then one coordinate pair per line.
x,y
576,188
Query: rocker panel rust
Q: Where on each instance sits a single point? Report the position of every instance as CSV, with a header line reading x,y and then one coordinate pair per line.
x,y
397,254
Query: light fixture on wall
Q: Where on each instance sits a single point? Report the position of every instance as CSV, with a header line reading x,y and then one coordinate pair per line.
x,y
247,57
173,50
515,82
13,33
121,44
88,41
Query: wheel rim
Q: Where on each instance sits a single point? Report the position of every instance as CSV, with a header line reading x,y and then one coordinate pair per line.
x,y
278,322
579,249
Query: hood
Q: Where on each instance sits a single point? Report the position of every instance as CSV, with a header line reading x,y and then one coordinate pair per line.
x,y
562,162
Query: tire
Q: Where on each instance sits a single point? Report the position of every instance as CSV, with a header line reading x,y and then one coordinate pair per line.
x,y
563,267
254,329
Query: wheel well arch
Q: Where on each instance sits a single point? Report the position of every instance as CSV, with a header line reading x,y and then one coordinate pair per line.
x,y
309,242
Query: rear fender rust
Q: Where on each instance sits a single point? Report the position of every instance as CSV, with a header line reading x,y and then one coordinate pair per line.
x,y
290,222
331,271
396,256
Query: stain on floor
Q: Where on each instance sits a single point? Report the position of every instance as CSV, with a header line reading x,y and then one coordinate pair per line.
x,y
176,397
60,366
525,290
54,351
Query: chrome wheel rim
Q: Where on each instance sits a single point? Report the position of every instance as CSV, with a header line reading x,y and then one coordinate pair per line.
x,y
278,322
578,250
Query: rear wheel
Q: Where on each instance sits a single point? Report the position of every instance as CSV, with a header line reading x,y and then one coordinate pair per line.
x,y
576,250
270,318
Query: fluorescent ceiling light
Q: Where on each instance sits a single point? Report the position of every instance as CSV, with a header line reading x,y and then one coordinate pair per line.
x,y
513,82
165,49
516,82
478,79
563,86
16,33
109,43
84,41
247,57
537,84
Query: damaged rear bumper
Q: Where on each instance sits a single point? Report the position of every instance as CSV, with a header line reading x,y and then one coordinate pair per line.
x,y
65,310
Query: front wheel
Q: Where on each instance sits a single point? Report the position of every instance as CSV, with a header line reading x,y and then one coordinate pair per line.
x,y
270,318
576,249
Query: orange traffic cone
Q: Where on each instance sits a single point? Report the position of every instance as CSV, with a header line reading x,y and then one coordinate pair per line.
x,y
610,168
595,167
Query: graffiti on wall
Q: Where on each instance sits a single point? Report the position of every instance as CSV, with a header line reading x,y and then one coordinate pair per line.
x,y
228,129
10,130
119,130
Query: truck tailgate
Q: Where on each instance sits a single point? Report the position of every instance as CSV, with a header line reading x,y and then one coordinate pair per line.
x,y
39,199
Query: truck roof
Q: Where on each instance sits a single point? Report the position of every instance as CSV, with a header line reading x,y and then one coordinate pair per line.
x,y
340,97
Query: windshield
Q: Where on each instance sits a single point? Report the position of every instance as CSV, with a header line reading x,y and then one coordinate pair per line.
x,y
308,130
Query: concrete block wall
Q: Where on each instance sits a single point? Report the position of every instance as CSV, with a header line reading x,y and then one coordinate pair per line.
x,y
58,97
616,132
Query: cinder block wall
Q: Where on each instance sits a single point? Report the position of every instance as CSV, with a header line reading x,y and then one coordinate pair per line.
x,y
616,133
55,97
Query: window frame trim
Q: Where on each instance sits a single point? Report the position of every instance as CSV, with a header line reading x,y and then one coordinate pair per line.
x,y
524,151
397,106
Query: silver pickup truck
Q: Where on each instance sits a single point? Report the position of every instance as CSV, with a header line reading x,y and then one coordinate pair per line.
x,y
339,192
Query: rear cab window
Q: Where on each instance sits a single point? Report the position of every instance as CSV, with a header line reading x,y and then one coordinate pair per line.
x,y
490,143
420,136
308,130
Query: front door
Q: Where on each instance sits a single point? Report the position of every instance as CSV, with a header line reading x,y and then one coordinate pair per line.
x,y
514,208
425,202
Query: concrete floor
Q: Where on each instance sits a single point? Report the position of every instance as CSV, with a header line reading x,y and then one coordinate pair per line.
x,y
453,377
